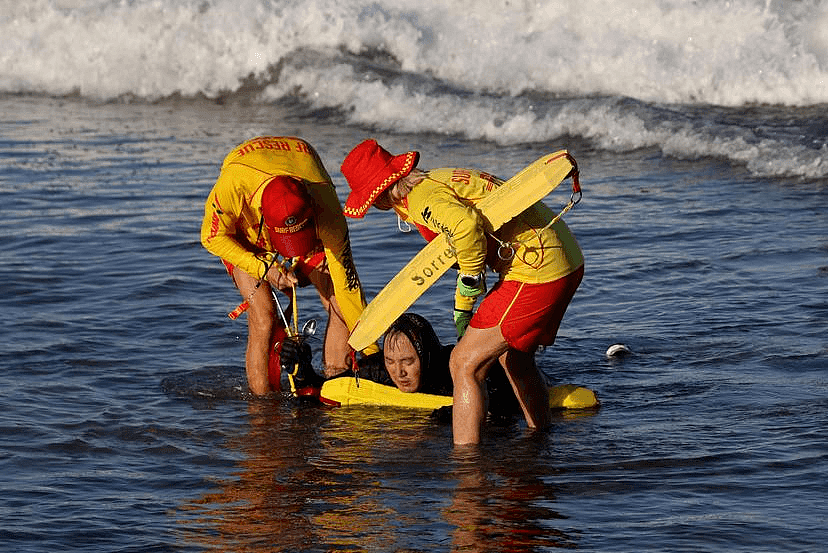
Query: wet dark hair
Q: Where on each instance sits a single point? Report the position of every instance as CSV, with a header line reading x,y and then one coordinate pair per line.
x,y
427,345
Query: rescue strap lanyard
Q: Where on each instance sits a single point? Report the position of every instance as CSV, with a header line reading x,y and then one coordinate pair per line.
x,y
244,305
506,251
291,331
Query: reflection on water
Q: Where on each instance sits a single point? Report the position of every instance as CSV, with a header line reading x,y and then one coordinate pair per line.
x,y
124,408
373,479
494,510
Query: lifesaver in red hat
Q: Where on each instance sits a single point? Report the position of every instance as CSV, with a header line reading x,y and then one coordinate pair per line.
x,y
288,214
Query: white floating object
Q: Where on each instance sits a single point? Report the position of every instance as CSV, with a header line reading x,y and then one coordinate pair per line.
x,y
617,350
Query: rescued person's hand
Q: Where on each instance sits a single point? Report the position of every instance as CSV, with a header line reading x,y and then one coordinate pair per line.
x,y
294,352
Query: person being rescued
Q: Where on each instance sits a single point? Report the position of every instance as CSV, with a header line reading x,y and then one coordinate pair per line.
x,y
523,310
274,219
412,359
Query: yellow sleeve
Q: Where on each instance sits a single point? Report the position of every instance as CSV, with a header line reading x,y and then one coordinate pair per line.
x,y
435,205
224,219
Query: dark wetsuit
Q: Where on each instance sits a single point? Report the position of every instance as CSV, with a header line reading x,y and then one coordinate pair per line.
x,y
434,359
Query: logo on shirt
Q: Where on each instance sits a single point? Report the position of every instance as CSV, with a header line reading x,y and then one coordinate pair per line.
x,y
351,277
426,214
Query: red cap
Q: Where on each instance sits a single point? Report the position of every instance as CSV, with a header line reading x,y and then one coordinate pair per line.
x,y
369,170
287,209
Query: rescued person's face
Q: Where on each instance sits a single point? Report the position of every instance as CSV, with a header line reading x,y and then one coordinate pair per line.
x,y
402,363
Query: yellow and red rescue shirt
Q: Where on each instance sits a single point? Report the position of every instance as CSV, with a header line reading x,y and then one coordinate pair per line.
x,y
444,203
233,227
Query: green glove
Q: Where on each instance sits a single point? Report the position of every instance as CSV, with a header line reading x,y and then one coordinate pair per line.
x,y
461,321
471,286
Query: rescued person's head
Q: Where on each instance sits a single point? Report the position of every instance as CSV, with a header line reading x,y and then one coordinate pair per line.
x,y
411,349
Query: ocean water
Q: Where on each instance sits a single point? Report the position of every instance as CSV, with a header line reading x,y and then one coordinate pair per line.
x,y
701,134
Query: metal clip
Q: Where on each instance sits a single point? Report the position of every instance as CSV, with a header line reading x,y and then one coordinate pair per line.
x,y
506,251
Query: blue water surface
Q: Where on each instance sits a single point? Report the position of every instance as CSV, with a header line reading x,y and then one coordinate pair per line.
x,y
125,423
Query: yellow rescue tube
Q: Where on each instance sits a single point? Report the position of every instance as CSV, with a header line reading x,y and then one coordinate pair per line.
x,y
571,396
345,391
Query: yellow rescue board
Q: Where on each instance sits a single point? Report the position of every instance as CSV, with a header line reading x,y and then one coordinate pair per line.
x,y
509,200
345,391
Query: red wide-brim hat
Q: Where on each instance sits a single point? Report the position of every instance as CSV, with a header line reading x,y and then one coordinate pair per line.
x,y
370,170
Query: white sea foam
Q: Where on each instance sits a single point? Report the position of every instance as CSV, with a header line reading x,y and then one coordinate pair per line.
x,y
501,70
723,52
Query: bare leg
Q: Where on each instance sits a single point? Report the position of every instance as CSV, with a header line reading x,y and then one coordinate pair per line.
x,y
470,361
529,386
259,328
336,348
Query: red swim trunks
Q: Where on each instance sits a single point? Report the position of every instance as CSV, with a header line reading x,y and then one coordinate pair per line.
x,y
529,315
